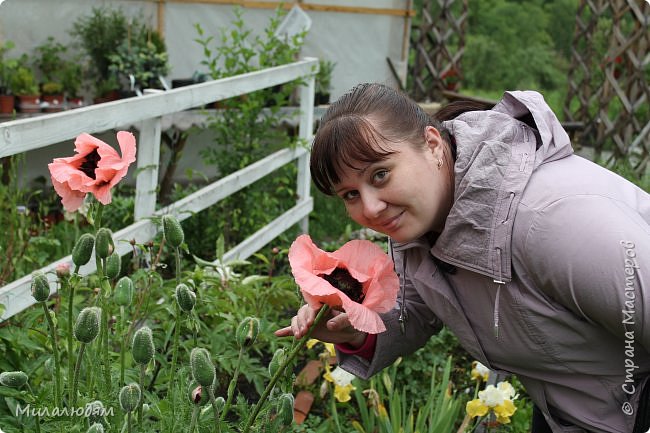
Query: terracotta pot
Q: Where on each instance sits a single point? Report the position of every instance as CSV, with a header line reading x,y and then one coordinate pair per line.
x,y
113,95
54,103
29,103
75,103
7,104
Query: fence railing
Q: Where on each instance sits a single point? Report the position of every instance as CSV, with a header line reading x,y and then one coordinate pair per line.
x,y
27,134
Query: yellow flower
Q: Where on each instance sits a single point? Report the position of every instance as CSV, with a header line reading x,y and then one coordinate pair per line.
x,y
479,371
328,346
476,408
342,381
505,410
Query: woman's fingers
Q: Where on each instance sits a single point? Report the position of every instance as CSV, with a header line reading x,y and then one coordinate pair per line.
x,y
339,321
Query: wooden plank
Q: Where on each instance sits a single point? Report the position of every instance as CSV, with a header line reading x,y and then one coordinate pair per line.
x,y
222,188
27,134
269,232
305,133
306,6
148,162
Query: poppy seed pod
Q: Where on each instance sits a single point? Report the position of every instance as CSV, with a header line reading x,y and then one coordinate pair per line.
x,y
83,249
13,379
143,348
172,231
103,243
278,358
202,367
86,328
113,265
130,397
285,409
40,287
247,331
124,292
96,428
185,297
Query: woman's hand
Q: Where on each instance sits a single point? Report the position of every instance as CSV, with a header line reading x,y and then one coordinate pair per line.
x,y
335,329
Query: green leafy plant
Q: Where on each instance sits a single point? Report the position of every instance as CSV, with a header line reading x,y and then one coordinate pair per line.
x,y
51,64
143,56
324,80
8,67
24,81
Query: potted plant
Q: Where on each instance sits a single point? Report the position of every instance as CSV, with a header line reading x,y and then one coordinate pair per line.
x,y
7,71
72,79
100,35
324,82
25,88
51,64
141,59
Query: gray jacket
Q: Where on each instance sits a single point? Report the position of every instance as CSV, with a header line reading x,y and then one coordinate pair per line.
x,y
552,281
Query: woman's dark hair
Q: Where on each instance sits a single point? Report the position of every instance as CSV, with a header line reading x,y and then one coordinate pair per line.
x,y
354,126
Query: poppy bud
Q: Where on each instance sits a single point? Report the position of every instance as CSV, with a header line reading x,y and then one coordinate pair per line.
x,y
285,409
185,297
172,231
278,358
130,397
95,410
103,243
247,331
143,348
49,366
124,292
86,328
96,428
13,379
40,287
62,270
83,249
202,367
113,265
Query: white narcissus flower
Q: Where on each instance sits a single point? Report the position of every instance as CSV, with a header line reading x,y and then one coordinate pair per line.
x,y
508,390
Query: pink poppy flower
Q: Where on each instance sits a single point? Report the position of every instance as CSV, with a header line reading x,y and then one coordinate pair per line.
x,y
96,169
358,278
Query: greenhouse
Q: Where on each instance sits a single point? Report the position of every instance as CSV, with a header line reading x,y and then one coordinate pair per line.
x,y
325,216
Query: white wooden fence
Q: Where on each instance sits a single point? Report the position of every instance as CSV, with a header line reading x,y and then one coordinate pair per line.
x,y
22,135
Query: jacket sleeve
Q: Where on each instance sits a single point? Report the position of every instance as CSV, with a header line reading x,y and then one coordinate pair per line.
x,y
421,323
591,254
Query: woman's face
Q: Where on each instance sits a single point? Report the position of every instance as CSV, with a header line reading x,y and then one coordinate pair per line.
x,y
404,196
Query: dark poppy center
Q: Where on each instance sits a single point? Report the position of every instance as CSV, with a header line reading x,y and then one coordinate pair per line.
x,y
90,164
342,280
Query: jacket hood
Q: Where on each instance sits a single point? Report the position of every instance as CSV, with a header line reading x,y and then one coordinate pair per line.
x,y
497,151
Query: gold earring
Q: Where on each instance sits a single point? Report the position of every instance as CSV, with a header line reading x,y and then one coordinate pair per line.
x,y
439,163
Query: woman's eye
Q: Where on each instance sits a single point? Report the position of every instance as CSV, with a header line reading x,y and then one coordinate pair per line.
x,y
349,195
379,176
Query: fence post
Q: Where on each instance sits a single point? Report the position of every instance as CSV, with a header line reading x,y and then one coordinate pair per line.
x,y
305,132
148,161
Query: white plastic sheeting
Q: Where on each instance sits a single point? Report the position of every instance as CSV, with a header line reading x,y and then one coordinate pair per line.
x,y
358,43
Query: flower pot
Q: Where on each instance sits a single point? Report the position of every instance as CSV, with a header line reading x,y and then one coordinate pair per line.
x,y
113,95
53,103
321,98
7,104
29,103
74,103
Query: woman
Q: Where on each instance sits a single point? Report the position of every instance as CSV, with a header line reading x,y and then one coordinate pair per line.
x,y
535,258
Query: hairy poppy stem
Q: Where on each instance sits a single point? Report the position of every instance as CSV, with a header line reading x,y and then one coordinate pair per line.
x,y
292,354
195,415
55,353
232,385
72,285
75,382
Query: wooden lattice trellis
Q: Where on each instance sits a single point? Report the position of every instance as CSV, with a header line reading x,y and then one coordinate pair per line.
x,y
608,81
438,38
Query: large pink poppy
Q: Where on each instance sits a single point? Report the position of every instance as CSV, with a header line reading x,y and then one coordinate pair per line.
x,y
95,169
358,278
